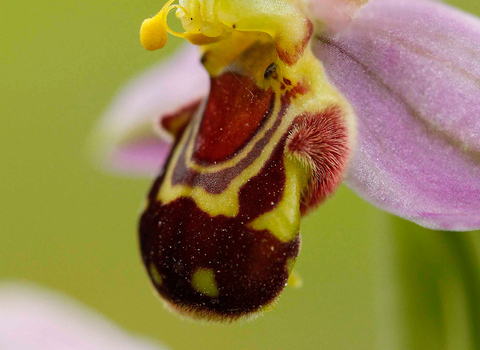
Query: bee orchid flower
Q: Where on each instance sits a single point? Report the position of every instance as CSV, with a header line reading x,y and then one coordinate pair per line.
x,y
284,100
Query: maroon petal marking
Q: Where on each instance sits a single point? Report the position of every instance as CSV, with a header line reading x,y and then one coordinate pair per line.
x,y
175,123
250,266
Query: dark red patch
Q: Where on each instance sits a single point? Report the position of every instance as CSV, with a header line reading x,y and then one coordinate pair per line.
x,y
250,266
299,89
265,190
322,140
287,81
235,110
175,123
217,182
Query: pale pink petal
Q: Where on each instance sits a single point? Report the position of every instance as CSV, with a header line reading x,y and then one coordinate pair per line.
x,y
333,15
411,70
32,318
127,138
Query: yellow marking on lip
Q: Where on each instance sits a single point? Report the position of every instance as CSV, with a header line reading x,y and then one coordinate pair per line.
x,y
225,203
294,280
320,95
293,73
306,67
283,221
238,157
203,281
156,277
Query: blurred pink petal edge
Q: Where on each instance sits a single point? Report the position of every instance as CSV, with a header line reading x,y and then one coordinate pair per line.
x,y
34,318
127,139
334,15
411,70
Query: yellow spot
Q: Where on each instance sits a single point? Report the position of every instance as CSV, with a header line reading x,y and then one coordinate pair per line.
x,y
203,280
294,280
284,220
157,279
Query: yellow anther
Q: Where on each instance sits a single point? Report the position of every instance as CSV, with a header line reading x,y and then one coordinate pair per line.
x,y
154,31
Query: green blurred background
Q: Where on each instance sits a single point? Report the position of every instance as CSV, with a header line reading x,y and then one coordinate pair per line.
x,y
370,280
